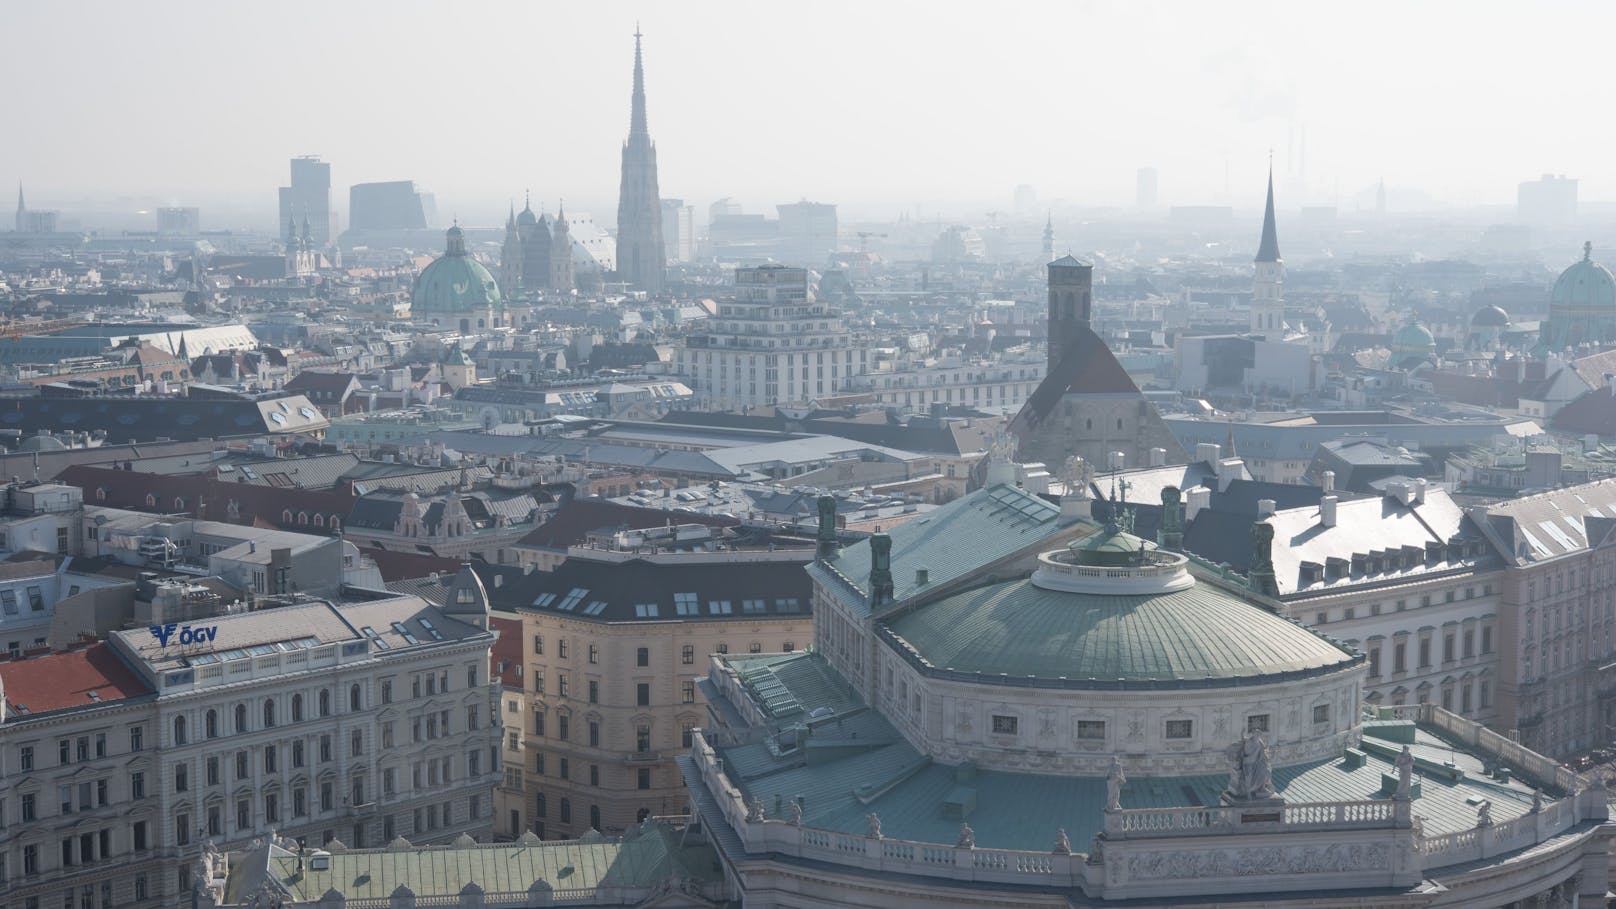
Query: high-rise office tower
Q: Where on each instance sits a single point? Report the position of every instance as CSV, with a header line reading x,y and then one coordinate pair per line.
x,y
807,233
679,230
309,197
641,257
1145,188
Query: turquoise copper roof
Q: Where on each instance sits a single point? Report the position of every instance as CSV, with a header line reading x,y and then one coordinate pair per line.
x,y
1021,810
436,872
454,282
1199,635
961,537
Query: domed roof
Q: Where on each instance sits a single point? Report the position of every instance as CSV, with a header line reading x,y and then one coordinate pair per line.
x,y
1585,288
1109,546
1489,317
1193,636
41,443
454,282
1411,344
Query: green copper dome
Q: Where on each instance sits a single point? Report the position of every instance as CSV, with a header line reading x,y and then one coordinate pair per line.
x,y
454,282
1197,636
1411,344
1109,546
1582,307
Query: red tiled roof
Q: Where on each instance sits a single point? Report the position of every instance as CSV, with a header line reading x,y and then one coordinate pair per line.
x,y
507,651
63,680
580,517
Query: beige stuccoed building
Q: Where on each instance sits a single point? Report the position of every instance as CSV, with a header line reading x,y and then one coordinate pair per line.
x,y
613,643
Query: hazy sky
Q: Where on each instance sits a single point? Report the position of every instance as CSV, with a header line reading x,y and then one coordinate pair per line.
x,y
877,106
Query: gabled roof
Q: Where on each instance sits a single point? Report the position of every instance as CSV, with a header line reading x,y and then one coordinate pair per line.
x,y
1087,368
611,591
1069,261
572,523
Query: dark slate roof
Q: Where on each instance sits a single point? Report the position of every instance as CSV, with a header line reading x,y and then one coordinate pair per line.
x,y
144,418
612,590
1268,249
329,382
377,511
1593,412
1088,368
574,521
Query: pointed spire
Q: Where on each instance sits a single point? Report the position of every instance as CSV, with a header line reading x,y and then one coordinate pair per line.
x,y
636,122
1268,249
20,206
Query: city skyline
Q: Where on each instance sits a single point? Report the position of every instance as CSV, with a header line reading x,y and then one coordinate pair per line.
x,y
1341,101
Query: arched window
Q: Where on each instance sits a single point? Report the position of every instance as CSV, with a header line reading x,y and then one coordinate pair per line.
x,y
100,493
336,523
210,725
303,517
286,516
353,697
325,702
179,730
241,717
179,504
151,500
319,519
269,713
297,707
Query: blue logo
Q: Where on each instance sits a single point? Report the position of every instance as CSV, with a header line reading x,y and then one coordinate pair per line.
x,y
190,634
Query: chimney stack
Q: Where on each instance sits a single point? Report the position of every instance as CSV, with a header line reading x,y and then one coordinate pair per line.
x,y
1195,499
1158,457
1208,452
1419,491
1327,481
1265,508
1327,511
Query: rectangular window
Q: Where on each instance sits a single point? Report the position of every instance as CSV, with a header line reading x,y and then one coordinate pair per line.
x,y
1321,713
644,780
642,657
687,655
1004,725
1257,722
686,604
594,654
642,739
642,694
1399,657
1180,729
561,648
1091,730
563,722
538,644
687,691
594,692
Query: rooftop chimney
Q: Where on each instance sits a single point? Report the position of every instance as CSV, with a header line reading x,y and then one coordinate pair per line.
x,y
1195,499
880,569
1158,457
1119,460
1265,508
1327,511
1419,491
1327,481
1208,453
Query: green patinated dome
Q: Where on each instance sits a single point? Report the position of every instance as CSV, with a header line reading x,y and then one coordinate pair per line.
x,y
1411,344
1109,546
1582,307
1195,636
454,282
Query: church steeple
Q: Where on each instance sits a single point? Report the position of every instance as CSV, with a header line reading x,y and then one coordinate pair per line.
x,y
636,120
1268,249
1049,239
1268,283
641,256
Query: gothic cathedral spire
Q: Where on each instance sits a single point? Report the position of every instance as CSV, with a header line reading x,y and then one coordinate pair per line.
x,y
641,257
1267,286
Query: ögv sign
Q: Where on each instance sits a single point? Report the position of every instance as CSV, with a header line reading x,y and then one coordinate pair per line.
x,y
184,634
